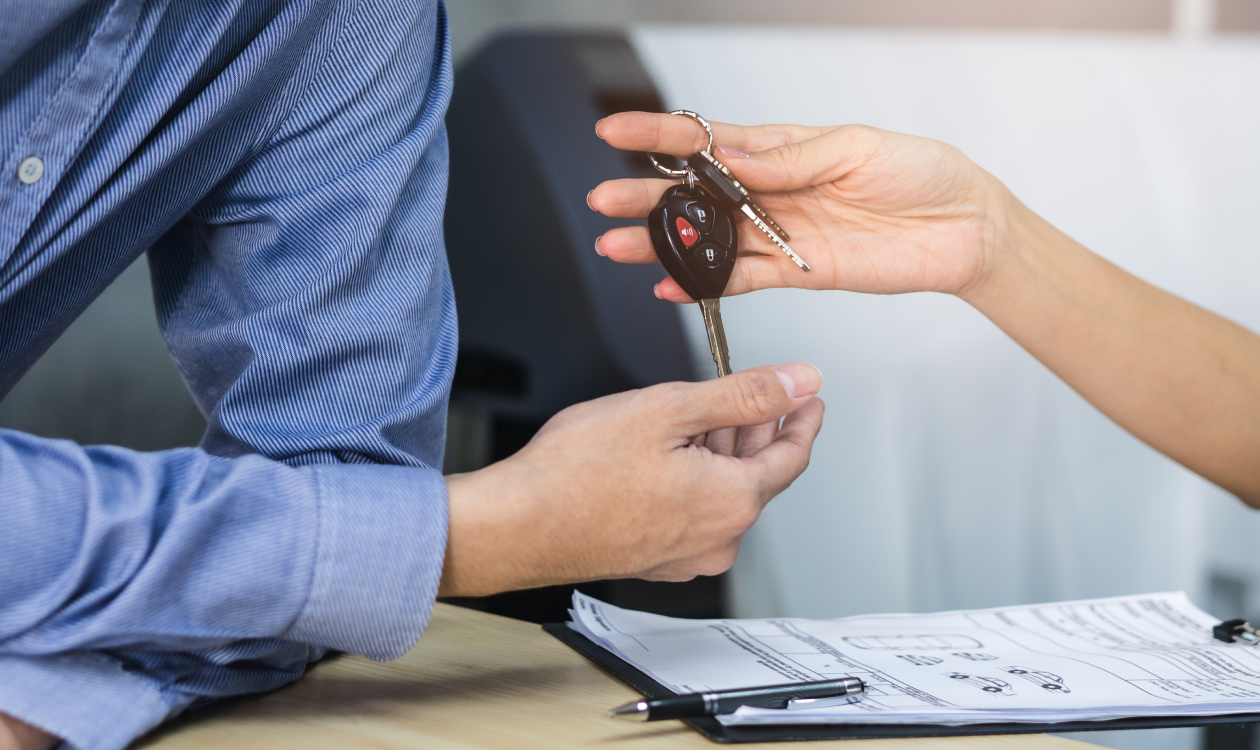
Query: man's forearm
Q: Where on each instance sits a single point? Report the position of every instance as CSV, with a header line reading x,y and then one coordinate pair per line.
x,y
1178,377
18,735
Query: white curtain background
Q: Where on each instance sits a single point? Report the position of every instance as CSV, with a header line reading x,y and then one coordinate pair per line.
x,y
954,470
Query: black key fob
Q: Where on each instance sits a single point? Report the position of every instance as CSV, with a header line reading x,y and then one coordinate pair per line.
x,y
694,238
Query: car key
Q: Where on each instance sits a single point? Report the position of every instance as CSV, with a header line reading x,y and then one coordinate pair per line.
x,y
694,238
719,181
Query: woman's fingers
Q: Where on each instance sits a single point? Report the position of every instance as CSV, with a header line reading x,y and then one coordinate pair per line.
x,y
756,270
627,199
752,272
682,136
627,245
665,134
808,162
669,291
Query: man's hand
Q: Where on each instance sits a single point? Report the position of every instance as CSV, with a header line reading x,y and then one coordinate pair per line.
x,y
18,735
869,210
641,484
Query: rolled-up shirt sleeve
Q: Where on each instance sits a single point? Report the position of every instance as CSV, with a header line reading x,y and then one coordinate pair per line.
x,y
194,577
307,302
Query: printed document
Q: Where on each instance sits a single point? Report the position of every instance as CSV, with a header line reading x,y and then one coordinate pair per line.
x,y
1151,655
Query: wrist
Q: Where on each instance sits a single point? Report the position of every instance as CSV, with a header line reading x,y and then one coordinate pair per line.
x,y
18,735
1012,238
489,531
1031,272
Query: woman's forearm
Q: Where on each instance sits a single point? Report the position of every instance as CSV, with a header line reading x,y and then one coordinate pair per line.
x,y
888,213
1181,379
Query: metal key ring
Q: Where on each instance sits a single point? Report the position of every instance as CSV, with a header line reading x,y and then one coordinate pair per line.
x,y
684,172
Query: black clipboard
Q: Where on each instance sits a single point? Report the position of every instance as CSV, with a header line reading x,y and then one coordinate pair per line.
x,y
718,732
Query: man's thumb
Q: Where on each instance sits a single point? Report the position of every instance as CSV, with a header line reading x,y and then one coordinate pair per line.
x,y
750,397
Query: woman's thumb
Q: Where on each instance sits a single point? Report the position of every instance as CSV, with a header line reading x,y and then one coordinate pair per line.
x,y
796,165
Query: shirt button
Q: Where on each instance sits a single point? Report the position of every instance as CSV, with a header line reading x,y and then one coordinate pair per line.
x,y
30,170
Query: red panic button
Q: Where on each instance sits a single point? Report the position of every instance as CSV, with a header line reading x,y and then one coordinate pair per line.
x,y
688,233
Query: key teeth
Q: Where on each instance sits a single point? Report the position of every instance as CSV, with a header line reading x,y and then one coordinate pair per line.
x,y
766,217
760,212
798,260
773,224
782,232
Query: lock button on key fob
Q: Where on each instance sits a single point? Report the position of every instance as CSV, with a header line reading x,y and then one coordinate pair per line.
x,y
710,255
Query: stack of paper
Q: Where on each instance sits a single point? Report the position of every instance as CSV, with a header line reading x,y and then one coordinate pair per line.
x,y
1150,655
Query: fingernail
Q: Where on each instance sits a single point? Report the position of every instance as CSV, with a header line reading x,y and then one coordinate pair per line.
x,y
597,239
597,123
588,200
656,289
799,379
735,153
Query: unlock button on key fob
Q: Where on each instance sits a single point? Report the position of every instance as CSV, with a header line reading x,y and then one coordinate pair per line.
x,y
710,255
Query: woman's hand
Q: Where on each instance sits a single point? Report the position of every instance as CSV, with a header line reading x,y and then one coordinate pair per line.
x,y
869,210
880,212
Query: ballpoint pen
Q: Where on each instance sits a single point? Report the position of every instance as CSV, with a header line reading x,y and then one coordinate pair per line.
x,y
691,705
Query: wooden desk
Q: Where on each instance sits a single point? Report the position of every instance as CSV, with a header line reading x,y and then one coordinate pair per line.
x,y
474,681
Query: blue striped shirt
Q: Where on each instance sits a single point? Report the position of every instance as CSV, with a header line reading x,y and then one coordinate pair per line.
x,y
284,166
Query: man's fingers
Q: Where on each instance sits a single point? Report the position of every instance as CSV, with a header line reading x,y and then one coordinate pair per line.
x,y
783,460
750,440
721,441
751,397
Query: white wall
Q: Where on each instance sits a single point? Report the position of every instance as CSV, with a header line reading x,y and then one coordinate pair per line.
x,y
472,21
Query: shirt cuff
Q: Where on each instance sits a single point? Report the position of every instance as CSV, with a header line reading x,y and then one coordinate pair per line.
x,y
83,697
382,542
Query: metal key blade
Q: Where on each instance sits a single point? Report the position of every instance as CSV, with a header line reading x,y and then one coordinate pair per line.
x,y
773,225
712,311
717,179
743,192
767,231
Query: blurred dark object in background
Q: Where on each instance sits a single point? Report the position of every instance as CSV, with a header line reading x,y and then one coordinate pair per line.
x,y
545,322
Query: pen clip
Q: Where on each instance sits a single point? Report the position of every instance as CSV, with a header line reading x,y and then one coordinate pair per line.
x,y
839,700
1236,631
